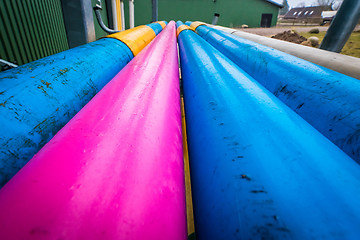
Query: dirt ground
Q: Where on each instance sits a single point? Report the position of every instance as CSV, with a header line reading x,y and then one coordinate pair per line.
x,y
276,30
290,36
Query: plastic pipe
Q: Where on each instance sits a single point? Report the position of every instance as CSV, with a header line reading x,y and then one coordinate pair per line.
x,y
115,171
39,98
258,170
157,28
137,38
114,12
326,99
2,61
338,62
122,17
189,203
131,14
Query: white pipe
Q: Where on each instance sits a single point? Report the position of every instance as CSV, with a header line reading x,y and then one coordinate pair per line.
x,y
131,14
338,62
8,63
122,15
114,14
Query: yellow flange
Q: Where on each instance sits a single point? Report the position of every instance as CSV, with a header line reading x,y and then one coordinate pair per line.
x,y
136,38
182,28
194,25
162,23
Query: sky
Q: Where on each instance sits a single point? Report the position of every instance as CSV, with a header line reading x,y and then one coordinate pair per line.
x,y
295,3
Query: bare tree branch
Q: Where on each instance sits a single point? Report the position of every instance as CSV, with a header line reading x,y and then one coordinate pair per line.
x,y
302,4
332,4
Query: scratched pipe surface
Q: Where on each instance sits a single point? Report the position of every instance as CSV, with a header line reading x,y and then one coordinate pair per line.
x,y
39,98
258,170
115,171
328,100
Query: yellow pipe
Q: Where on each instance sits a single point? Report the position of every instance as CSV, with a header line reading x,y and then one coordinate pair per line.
x,y
182,28
118,15
194,25
189,205
136,38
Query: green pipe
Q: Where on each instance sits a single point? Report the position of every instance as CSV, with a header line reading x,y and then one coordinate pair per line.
x,y
342,26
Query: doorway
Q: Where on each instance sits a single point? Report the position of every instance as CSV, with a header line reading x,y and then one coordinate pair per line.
x,y
266,20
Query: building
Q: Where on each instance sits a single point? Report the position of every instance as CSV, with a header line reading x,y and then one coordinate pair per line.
x,y
30,30
328,16
233,13
306,14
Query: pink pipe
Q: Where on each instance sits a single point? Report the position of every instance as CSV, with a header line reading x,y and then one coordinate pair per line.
x,y
115,171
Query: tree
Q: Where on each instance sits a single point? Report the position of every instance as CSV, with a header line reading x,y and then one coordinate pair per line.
x,y
330,4
285,8
302,4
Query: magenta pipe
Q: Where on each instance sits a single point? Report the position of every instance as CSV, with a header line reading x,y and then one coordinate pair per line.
x,y
115,171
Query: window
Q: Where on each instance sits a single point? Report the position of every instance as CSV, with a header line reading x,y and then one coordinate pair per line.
x,y
311,12
295,13
306,12
300,13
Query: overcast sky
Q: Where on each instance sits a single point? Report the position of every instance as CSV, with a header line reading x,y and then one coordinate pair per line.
x,y
295,3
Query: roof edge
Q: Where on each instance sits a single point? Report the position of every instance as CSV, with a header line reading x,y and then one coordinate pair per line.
x,y
275,3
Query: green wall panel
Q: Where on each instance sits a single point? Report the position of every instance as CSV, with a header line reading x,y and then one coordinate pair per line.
x,y
98,30
233,13
31,29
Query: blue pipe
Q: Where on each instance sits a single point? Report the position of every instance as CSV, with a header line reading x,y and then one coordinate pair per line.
x,y
157,27
328,100
39,98
258,170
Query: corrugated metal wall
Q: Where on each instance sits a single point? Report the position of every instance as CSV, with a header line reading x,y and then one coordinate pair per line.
x,y
31,29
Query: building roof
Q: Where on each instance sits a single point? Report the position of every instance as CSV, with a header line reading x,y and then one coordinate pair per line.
x,y
305,12
328,14
275,3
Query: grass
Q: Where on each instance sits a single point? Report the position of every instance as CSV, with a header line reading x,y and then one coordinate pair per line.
x,y
351,48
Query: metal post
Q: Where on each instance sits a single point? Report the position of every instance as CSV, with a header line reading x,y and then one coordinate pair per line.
x,y
215,19
79,22
113,15
155,7
122,14
342,26
131,14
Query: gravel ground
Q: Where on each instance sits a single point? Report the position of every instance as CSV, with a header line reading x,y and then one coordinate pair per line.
x,y
276,30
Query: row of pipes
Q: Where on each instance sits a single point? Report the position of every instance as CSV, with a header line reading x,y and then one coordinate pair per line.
x,y
273,141
258,169
118,14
